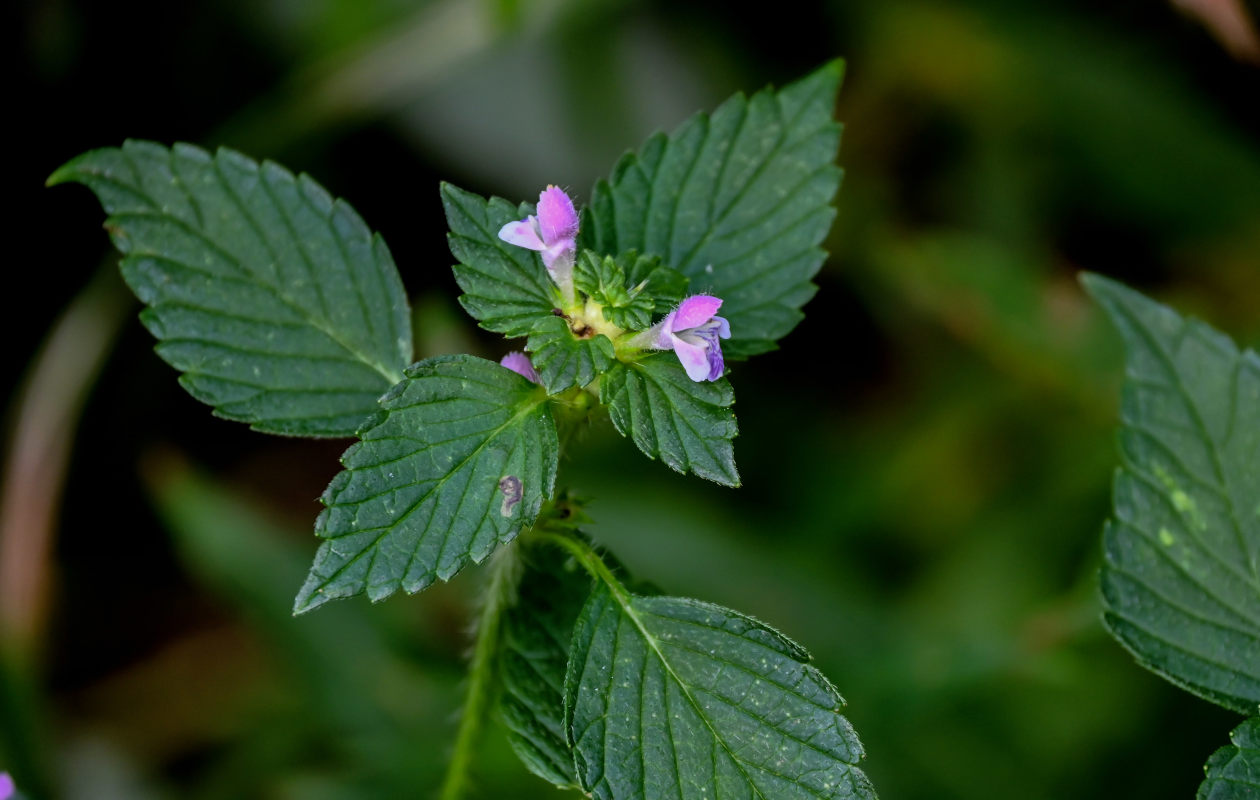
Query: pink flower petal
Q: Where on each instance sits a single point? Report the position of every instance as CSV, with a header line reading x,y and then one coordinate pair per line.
x,y
557,219
695,311
662,336
694,358
724,327
7,789
522,234
559,256
520,364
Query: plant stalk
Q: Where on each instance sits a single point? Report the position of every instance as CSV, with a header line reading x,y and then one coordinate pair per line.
x,y
481,673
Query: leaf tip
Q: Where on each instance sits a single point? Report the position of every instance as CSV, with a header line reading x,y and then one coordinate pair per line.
x,y
834,68
1093,283
307,600
66,173
1107,293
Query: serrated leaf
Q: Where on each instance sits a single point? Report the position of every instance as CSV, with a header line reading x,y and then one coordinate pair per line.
x,y
670,697
534,654
1181,581
738,201
689,425
458,461
506,288
277,303
1233,772
562,360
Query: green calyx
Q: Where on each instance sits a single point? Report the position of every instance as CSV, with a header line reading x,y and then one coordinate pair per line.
x,y
598,320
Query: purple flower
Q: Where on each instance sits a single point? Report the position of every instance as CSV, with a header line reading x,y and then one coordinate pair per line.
x,y
518,363
7,789
692,331
553,232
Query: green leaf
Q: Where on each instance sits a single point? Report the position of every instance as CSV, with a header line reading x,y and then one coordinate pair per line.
x,y
1233,772
629,287
1181,581
563,360
670,697
506,288
738,202
687,424
666,286
458,461
534,654
248,561
276,302
603,280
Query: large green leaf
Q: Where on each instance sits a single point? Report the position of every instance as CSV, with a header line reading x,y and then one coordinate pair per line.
x,y
276,302
687,424
533,655
1181,580
506,288
673,698
1233,772
738,202
458,461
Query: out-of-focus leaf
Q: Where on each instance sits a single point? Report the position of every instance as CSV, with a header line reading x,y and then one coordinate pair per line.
x,y
248,560
1181,581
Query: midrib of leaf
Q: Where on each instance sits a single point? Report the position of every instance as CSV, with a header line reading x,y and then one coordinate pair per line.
x,y
1222,489
276,290
595,565
374,547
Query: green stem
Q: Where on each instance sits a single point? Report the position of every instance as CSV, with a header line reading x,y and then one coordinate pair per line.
x,y
588,558
481,673
572,411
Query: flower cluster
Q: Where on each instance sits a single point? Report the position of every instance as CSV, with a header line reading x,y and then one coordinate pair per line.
x,y
692,330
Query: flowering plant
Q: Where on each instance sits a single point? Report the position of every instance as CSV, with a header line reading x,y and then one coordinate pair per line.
x,y
283,310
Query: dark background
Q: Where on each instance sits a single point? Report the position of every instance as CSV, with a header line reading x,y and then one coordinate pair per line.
x,y
926,462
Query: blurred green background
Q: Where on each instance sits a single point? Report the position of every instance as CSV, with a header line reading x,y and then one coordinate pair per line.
x,y
926,462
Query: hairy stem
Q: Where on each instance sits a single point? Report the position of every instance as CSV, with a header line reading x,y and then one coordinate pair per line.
x,y
572,411
481,672
585,555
